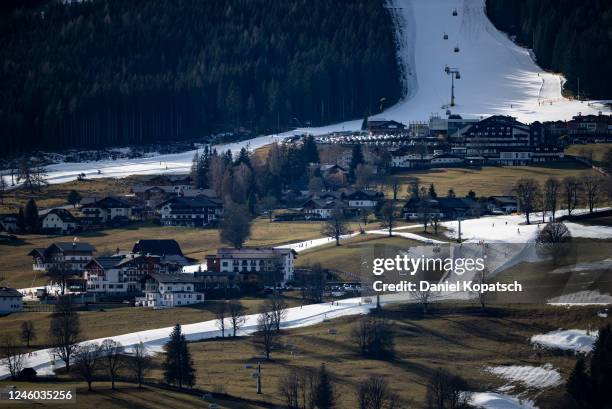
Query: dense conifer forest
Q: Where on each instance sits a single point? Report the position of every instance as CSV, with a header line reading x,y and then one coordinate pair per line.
x,y
573,37
112,72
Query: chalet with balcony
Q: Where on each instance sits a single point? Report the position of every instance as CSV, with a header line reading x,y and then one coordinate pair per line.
x,y
199,211
65,256
168,291
107,210
120,273
251,264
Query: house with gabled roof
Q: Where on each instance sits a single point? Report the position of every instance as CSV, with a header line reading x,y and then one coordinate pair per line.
x,y
108,209
11,300
66,256
8,222
59,221
198,211
170,290
121,273
168,250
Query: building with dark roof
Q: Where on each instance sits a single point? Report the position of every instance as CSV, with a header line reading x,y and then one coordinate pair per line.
x,y
252,264
505,141
198,211
169,290
65,256
385,127
121,273
11,300
8,222
107,210
440,208
158,247
59,221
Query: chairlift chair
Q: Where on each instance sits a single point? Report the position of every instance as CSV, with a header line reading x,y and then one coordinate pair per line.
x,y
455,13
445,36
456,48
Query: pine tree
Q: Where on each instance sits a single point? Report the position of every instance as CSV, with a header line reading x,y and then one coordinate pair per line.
x,y
194,169
21,223
178,366
356,159
601,367
30,216
324,393
74,198
578,384
432,192
311,153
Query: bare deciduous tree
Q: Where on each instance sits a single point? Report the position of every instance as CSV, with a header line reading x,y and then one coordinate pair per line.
x,y
335,226
528,192
394,184
220,316
278,308
266,332
140,363
112,351
373,336
64,330
388,217
593,188
87,360
267,204
375,393
446,391
313,283
297,389
28,333
13,358
236,224
237,316
554,241
423,297
571,193
551,196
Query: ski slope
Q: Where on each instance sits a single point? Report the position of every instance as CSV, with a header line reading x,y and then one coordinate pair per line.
x,y
497,77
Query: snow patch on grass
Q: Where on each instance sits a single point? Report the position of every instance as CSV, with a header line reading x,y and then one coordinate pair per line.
x,y
568,340
493,400
582,298
537,377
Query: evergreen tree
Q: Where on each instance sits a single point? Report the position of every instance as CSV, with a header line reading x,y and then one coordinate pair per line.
x,y
310,151
21,222
324,393
578,384
178,365
601,367
356,160
556,31
74,198
243,157
432,192
195,166
30,216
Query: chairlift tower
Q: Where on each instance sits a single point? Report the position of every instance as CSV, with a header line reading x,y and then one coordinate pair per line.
x,y
454,74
